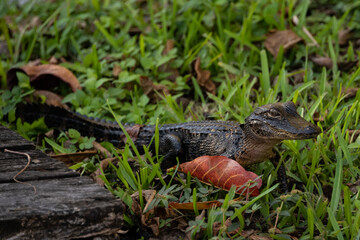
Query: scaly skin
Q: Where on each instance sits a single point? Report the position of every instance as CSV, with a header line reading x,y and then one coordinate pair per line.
x,y
247,143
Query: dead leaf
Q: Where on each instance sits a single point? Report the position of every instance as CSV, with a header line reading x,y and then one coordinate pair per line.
x,y
103,151
199,205
104,164
150,88
44,76
116,70
322,61
203,77
222,172
53,60
217,226
354,187
52,99
71,158
298,76
133,132
350,92
354,135
347,65
276,39
166,66
318,118
147,219
169,46
343,36
201,216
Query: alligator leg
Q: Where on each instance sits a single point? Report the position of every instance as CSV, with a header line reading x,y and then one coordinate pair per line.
x,y
170,148
281,172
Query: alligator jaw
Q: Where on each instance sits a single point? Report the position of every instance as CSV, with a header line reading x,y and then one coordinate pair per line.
x,y
280,121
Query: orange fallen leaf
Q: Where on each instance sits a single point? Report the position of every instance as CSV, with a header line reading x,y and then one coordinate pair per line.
x,y
44,76
276,39
223,173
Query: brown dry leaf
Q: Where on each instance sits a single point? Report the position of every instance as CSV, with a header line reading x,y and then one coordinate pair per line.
x,y
318,118
44,76
104,164
343,36
286,38
71,158
354,135
150,88
166,66
169,45
147,219
197,235
53,60
347,65
190,205
203,77
298,76
133,132
322,61
116,70
217,226
103,151
354,187
52,99
350,92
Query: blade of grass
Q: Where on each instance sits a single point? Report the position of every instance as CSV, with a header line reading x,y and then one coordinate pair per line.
x,y
265,76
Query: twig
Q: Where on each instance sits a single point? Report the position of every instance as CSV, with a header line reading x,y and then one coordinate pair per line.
x,y
22,170
295,20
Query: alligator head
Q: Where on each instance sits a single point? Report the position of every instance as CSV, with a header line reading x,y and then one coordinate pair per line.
x,y
280,121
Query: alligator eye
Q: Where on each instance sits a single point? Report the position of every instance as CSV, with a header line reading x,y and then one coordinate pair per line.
x,y
273,113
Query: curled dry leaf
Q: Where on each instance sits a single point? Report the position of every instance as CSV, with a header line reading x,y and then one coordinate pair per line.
x,y
223,173
44,76
203,77
276,39
150,88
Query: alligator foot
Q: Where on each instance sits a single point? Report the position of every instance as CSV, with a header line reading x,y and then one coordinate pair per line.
x,y
282,179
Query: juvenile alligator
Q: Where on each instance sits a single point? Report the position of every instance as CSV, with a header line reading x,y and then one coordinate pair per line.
x,y
247,143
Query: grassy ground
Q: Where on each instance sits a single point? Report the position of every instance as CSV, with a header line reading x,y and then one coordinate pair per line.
x,y
111,45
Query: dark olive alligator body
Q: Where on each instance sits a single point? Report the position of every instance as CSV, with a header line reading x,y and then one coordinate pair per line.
x,y
248,143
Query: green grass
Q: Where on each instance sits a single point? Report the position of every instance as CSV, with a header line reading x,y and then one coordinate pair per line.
x,y
228,36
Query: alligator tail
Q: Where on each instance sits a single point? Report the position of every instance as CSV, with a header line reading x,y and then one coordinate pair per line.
x,y
56,117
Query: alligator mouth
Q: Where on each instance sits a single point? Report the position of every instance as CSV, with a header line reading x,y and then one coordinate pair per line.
x,y
296,132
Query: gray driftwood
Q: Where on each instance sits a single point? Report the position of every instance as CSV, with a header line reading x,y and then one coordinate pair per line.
x,y
65,205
